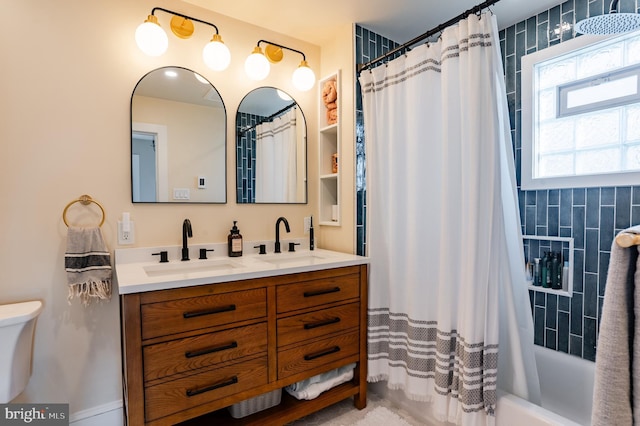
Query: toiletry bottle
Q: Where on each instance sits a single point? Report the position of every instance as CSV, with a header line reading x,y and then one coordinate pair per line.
x,y
311,238
565,276
537,278
555,266
545,270
548,265
235,241
557,284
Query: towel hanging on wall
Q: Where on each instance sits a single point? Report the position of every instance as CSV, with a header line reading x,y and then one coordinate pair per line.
x,y
88,265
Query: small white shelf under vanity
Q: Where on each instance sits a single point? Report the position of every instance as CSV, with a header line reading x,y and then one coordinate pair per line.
x,y
329,156
567,244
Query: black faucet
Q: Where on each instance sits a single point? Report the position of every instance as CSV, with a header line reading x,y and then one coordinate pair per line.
x,y
286,226
186,232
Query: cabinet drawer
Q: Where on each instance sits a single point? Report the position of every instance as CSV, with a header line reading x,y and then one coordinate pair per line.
x,y
305,357
176,316
319,323
177,395
180,355
307,294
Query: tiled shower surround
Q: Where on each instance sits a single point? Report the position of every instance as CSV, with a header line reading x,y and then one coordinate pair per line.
x,y
592,216
246,156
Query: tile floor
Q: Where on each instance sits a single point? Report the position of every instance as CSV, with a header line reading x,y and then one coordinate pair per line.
x,y
344,413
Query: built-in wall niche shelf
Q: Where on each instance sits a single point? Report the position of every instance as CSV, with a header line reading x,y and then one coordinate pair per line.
x,y
329,111
535,246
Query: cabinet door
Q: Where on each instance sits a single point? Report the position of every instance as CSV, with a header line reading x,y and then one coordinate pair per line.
x,y
305,357
179,315
319,323
313,293
190,353
206,386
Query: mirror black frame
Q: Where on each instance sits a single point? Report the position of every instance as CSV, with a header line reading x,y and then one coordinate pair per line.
x,y
306,156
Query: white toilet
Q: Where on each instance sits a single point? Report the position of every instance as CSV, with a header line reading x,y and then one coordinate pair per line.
x,y
17,324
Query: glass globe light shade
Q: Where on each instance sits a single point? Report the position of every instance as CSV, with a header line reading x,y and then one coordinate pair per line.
x,y
216,54
151,38
303,77
257,66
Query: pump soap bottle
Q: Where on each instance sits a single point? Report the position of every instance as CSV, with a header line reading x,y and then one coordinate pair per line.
x,y
235,241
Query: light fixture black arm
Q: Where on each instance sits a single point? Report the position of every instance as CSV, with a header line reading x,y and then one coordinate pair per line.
x,y
184,16
304,58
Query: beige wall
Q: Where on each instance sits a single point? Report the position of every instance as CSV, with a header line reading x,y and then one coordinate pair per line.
x,y
68,71
338,54
196,144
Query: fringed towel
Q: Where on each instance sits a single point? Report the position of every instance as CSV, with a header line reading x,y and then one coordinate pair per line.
x,y
88,265
616,395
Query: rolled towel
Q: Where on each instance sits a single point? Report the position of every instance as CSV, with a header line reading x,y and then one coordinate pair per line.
x,y
314,386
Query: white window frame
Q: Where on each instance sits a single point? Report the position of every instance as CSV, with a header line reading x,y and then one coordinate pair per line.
x,y
528,182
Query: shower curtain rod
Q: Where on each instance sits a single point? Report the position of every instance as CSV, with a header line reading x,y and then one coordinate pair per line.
x,y
432,32
269,118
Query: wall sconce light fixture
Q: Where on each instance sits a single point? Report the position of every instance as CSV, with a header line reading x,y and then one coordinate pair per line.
x,y
257,65
153,41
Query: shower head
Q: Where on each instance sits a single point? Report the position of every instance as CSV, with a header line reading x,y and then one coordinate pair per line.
x,y
611,23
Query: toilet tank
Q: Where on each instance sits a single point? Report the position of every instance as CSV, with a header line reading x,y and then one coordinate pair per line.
x,y
17,326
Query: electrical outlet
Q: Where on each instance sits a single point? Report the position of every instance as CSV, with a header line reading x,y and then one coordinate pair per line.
x,y
307,224
125,238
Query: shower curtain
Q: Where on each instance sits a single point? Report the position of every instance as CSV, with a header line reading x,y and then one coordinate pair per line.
x,y
276,151
447,276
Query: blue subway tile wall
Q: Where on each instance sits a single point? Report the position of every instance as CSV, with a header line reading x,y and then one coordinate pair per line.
x,y
246,158
369,46
591,216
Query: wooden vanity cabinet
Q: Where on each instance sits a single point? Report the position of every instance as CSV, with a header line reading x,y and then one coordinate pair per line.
x,y
188,353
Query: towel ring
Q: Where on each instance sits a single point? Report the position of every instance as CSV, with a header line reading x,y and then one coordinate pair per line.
x,y
85,200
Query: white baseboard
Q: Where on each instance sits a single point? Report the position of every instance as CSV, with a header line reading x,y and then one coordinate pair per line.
x,y
109,414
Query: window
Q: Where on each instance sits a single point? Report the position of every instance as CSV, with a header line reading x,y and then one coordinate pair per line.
x,y
581,114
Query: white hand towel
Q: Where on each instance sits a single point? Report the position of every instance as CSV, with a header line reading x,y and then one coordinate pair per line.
x,y
88,265
321,383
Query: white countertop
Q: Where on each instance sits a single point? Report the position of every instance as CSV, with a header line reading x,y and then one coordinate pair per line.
x,y
137,270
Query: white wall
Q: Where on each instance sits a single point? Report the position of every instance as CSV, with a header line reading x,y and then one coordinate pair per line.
x,y
68,70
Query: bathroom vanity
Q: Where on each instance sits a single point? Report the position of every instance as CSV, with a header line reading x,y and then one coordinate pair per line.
x,y
202,336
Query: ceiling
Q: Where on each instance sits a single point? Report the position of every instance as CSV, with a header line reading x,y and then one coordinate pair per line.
x,y
400,20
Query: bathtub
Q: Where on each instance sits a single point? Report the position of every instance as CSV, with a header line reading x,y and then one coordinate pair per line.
x,y
566,384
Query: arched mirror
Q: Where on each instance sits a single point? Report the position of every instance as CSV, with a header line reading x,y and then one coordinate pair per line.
x,y
271,149
178,139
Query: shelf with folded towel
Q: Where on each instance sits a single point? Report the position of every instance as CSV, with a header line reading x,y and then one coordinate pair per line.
x,y
535,246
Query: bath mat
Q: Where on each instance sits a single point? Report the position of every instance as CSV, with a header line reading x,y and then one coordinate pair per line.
x,y
381,416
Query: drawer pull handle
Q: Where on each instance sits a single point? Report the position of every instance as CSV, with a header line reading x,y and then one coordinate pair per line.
x,y
333,350
194,314
311,325
228,382
321,292
193,354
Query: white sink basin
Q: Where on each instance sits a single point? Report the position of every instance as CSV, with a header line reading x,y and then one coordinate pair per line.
x,y
286,259
188,267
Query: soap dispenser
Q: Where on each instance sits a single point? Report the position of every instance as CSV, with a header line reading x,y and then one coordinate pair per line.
x,y
235,241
